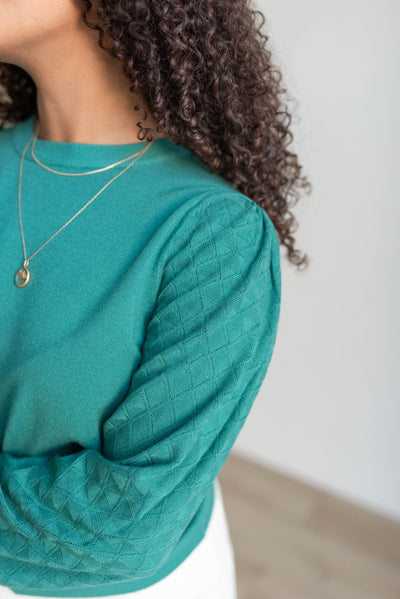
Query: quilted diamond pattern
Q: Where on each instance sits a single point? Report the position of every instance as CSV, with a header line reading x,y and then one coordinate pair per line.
x,y
90,518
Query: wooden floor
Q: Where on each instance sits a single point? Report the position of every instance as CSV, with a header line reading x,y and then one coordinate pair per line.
x,y
293,541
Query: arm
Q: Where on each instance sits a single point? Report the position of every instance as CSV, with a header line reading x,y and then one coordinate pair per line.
x,y
75,520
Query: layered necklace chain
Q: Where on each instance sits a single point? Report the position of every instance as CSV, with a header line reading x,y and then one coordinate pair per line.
x,y
23,274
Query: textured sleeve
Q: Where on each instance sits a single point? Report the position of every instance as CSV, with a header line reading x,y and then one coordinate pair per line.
x,y
91,517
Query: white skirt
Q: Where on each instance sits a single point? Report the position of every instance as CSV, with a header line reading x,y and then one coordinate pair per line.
x,y
208,572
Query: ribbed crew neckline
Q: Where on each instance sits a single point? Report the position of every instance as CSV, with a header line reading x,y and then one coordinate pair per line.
x,y
71,154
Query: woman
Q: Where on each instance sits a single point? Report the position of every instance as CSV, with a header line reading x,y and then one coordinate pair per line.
x,y
140,286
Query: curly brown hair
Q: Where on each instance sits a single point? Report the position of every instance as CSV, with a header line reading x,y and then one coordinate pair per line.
x,y
205,72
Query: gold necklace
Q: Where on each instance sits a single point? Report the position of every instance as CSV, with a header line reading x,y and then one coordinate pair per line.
x,y
23,274
99,170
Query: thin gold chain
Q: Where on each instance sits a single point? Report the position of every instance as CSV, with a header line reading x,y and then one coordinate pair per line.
x,y
26,260
99,170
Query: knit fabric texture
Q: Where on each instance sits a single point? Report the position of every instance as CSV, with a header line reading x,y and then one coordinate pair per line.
x,y
128,364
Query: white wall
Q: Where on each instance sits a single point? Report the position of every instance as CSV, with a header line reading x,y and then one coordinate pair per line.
x,y
329,411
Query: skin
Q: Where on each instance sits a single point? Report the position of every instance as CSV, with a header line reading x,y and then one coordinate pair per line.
x,y
82,93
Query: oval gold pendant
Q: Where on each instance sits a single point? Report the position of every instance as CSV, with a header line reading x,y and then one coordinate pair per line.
x,y
22,276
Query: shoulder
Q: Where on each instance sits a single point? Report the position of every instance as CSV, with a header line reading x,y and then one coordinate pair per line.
x,y
224,214
224,231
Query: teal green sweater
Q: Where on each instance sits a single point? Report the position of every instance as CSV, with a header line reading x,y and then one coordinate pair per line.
x,y
128,364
